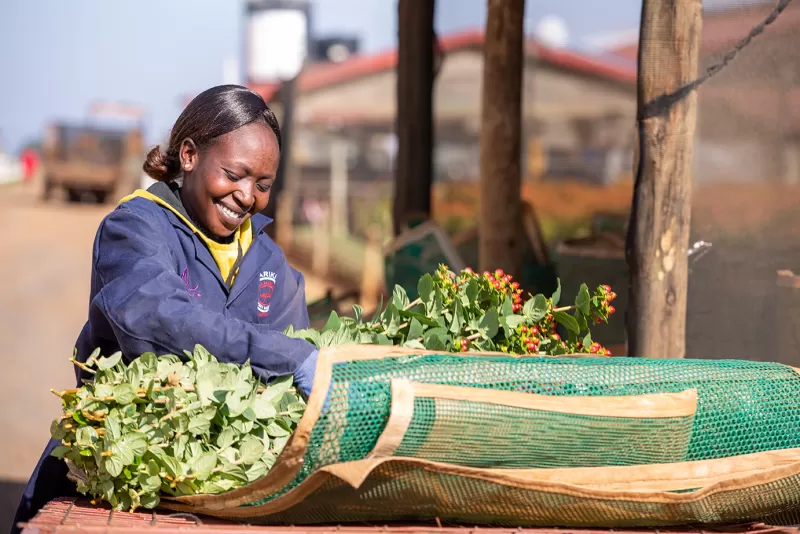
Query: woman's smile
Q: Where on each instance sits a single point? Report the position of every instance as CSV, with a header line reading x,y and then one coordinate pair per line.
x,y
231,217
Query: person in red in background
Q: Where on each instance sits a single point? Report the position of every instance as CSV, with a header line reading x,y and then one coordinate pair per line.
x,y
30,162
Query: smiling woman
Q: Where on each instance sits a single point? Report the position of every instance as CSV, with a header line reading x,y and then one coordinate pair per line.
x,y
188,261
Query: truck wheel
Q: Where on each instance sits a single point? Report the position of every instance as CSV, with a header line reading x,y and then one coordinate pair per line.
x,y
47,189
73,195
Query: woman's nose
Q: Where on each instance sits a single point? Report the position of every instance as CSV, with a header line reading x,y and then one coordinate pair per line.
x,y
244,195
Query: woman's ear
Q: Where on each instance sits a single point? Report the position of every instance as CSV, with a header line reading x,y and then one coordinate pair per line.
x,y
188,155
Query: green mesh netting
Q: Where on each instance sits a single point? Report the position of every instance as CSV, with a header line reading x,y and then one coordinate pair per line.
x,y
478,434
743,407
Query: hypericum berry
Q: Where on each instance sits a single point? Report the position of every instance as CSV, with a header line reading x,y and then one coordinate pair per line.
x,y
601,352
487,274
608,352
534,331
469,270
612,296
499,272
506,279
596,345
524,329
563,344
579,345
515,285
531,346
593,349
535,340
607,288
556,337
611,309
516,307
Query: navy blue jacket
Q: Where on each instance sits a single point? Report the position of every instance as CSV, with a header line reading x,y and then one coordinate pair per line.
x,y
156,288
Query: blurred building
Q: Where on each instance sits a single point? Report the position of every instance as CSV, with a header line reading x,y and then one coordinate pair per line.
x,y
578,119
749,114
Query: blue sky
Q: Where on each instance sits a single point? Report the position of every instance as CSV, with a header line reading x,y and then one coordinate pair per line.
x,y
56,56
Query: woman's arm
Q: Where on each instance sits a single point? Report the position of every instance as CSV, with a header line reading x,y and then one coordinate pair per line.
x,y
145,302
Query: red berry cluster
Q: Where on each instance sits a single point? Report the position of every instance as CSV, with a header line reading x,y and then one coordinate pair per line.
x,y
527,337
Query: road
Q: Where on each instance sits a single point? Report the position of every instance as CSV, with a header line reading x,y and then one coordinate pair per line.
x,y
43,305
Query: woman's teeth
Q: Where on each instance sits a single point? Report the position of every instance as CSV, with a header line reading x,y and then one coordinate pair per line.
x,y
229,212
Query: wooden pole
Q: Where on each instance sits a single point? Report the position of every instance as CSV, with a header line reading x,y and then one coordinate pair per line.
x,y
415,72
658,235
501,234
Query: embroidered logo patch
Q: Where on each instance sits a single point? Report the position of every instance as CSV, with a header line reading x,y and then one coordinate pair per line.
x,y
192,291
266,286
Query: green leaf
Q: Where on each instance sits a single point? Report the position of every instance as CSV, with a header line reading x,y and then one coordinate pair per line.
x,y
358,311
383,340
149,500
513,321
264,409
392,318
458,319
172,466
256,471
490,323
567,320
333,323
415,329
582,300
150,484
472,290
413,344
124,393
198,425
556,298
226,438
250,450
423,319
507,308
60,451
86,436
425,288
400,297
153,468
113,426
436,305
204,464
107,363
276,430
434,339
235,472
378,311
535,309
56,431
277,387
136,442
581,318
113,465
587,340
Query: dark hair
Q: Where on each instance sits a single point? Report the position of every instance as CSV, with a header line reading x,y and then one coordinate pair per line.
x,y
212,113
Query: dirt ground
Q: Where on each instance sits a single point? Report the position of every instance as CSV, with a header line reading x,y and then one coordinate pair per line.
x,y
43,305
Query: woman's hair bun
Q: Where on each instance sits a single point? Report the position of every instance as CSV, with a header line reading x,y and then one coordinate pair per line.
x,y
160,166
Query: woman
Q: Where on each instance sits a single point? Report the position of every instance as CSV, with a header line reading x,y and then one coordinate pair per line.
x,y
189,262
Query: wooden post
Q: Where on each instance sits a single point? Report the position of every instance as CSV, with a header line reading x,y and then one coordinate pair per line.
x,y
415,72
500,224
658,235
339,187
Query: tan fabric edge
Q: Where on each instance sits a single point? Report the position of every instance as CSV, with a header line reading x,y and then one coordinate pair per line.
x,y
723,484
402,411
659,405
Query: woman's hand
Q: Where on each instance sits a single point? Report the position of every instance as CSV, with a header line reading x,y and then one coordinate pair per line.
x,y
304,376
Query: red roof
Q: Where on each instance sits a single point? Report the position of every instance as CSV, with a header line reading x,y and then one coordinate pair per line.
x,y
327,74
723,28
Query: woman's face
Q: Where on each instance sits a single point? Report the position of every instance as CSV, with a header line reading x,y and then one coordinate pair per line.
x,y
229,181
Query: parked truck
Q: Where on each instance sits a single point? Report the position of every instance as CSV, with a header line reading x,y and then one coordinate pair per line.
x,y
99,162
